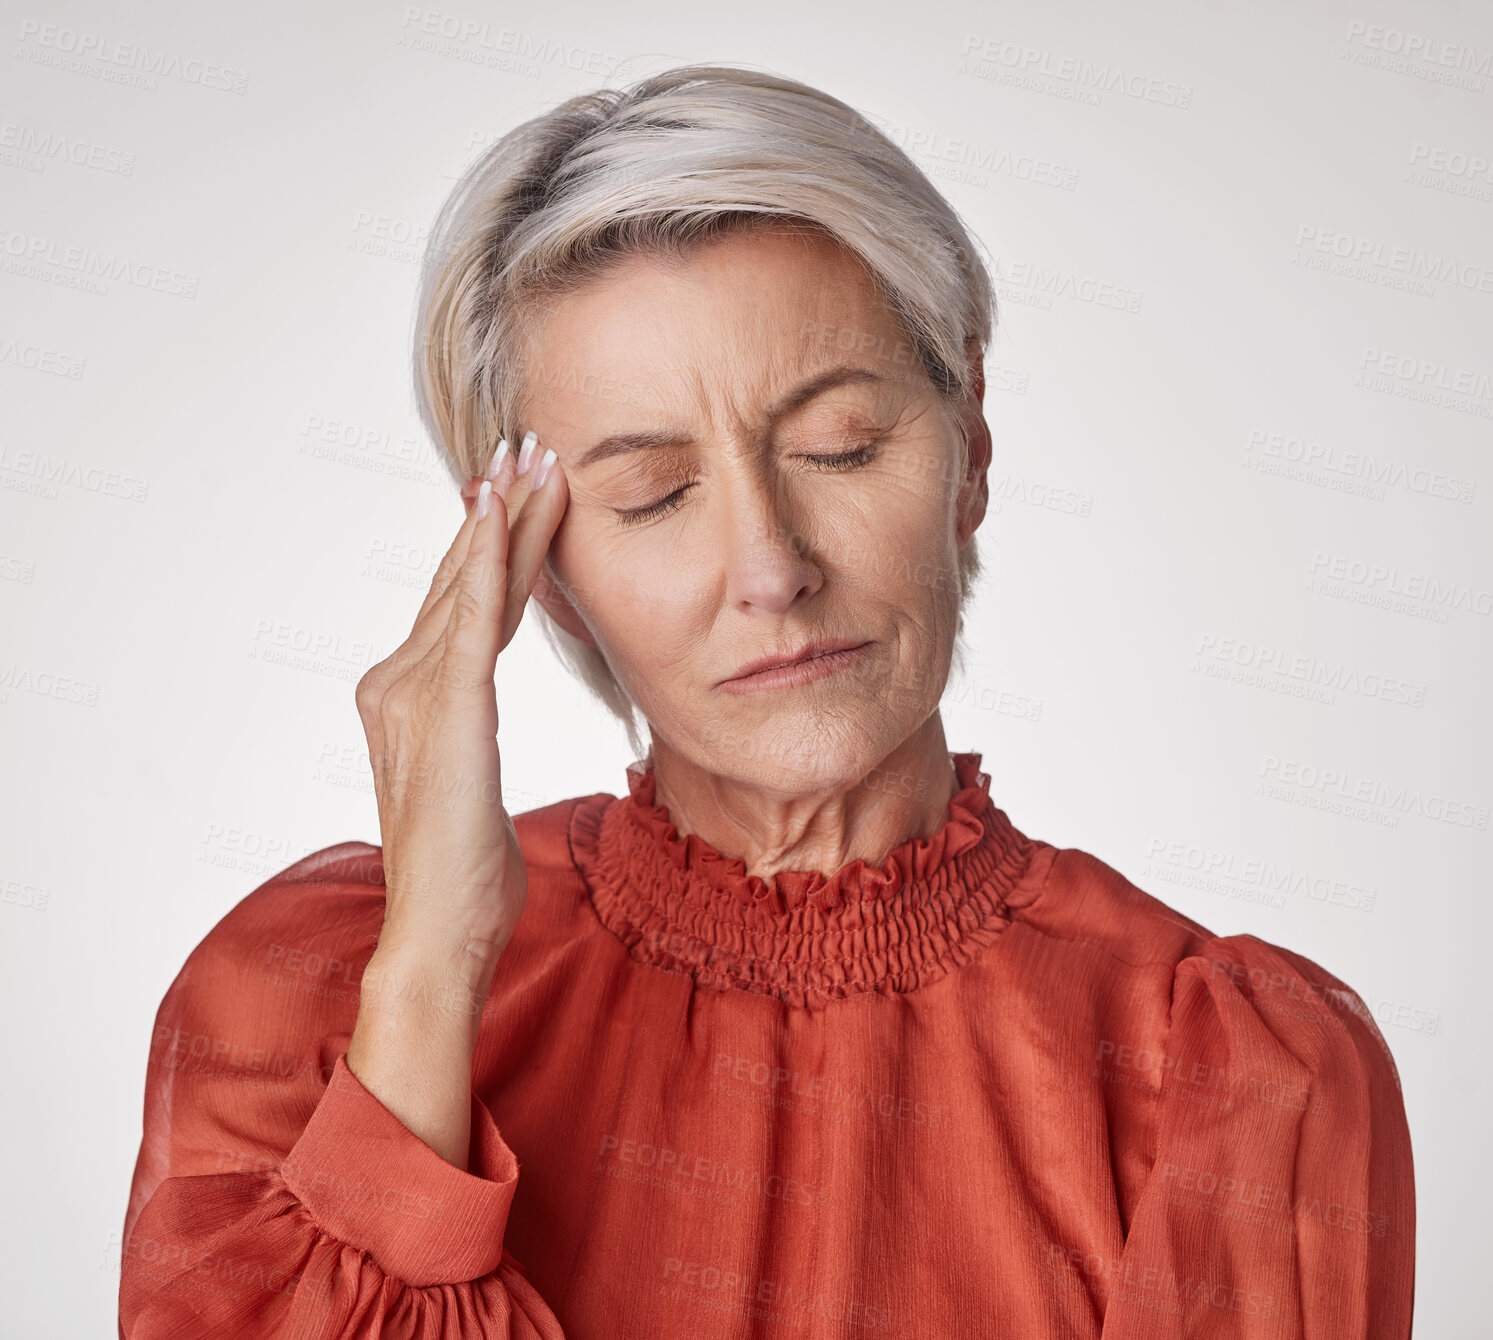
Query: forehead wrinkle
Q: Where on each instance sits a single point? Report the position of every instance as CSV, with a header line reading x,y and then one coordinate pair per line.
x,y
733,384
729,372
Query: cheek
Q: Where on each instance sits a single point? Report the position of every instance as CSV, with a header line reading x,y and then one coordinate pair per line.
x,y
891,537
639,594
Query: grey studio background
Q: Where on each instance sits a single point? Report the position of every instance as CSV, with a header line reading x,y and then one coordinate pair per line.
x,y
1238,587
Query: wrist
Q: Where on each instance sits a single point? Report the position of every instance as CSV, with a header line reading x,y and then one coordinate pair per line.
x,y
429,984
446,946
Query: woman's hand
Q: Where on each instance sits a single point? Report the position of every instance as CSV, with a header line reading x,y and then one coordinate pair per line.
x,y
454,875
452,866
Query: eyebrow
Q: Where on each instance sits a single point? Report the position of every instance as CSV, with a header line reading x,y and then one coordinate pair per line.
x,y
618,444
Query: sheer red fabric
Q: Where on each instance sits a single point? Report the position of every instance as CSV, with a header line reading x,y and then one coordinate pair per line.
x,y
986,1087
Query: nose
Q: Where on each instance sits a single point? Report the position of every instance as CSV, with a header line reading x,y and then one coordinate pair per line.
x,y
770,561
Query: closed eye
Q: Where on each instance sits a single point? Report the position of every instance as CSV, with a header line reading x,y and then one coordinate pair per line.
x,y
848,460
633,516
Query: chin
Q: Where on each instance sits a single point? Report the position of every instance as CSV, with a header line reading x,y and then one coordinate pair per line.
x,y
772,748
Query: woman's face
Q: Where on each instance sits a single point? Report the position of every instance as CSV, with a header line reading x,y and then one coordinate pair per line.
x,y
756,459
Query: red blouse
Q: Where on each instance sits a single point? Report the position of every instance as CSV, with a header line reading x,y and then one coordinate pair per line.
x,y
988,1088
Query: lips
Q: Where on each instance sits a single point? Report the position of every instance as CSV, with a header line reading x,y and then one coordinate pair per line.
x,y
819,647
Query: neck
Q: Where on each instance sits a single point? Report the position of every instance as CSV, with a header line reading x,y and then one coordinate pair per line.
x,y
862,811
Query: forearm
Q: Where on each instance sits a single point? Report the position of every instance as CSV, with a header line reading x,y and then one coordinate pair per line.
x,y
419,1014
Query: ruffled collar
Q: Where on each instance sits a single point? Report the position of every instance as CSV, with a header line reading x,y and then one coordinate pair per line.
x,y
805,937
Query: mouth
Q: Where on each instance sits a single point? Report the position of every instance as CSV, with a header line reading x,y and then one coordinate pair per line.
x,y
818,659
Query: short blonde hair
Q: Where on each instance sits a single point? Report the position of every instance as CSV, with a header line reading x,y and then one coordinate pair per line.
x,y
669,160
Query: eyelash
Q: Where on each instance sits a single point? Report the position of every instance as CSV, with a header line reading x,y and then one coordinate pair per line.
x,y
848,460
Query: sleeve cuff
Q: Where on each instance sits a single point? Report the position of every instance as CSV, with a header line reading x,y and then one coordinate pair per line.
x,y
372,1183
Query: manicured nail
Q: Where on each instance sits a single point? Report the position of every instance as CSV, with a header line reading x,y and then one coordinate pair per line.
x,y
542,472
484,498
499,456
526,451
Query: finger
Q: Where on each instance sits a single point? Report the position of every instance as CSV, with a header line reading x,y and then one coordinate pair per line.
x,y
466,652
500,471
515,490
430,619
532,534
436,610
454,556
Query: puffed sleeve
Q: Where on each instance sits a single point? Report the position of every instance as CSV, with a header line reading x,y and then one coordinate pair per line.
x,y
1281,1201
274,1195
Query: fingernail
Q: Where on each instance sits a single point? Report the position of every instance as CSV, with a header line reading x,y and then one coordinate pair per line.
x,y
499,456
484,498
546,464
526,451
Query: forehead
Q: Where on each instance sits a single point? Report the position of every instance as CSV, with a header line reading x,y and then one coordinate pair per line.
x,y
729,323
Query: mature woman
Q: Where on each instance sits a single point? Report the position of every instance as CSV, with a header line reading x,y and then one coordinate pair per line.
x,y
801,1035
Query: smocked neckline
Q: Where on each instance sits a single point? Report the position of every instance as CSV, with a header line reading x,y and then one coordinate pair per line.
x,y
806,937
